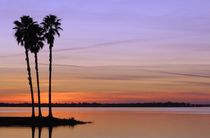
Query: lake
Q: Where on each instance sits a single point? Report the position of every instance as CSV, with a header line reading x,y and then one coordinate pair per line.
x,y
118,123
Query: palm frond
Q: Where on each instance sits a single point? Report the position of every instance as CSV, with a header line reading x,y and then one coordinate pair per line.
x,y
51,25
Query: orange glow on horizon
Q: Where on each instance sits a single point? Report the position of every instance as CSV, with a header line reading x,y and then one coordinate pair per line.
x,y
114,97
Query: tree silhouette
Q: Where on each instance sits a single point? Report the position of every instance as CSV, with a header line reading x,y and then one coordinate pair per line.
x,y
37,36
23,30
51,25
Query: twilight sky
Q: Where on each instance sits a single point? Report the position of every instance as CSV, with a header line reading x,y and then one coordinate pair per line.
x,y
113,51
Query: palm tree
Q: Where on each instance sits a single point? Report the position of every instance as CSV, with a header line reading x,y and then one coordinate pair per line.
x,y
22,34
38,44
51,25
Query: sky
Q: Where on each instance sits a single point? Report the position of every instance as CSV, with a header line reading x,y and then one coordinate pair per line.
x,y
112,51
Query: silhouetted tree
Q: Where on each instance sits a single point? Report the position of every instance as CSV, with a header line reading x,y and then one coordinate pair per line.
x,y
22,34
37,36
51,25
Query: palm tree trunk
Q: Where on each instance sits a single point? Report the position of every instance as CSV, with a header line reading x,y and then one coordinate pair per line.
x,y
50,73
30,81
37,78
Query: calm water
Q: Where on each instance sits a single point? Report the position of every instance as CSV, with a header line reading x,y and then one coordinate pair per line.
x,y
119,123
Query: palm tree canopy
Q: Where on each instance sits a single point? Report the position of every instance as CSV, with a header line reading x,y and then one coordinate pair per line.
x,y
36,35
29,34
24,30
51,25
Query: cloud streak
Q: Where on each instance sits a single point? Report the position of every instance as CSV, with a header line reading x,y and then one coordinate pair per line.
x,y
105,44
130,77
180,74
101,45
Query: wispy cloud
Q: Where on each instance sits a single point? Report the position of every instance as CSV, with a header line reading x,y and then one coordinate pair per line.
x,y
111,43
137,76
104,44
195,83
180,74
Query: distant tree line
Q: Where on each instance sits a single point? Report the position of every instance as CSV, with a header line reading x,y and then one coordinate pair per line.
x,y
159,104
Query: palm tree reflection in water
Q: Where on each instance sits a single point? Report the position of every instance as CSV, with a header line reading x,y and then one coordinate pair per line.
x,y
50,128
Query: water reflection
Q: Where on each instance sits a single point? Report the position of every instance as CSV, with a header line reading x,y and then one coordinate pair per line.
x,y
119,123
50,129
33,131
40,132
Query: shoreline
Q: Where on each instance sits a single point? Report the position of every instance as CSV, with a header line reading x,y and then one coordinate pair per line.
x,y
39,122
156,104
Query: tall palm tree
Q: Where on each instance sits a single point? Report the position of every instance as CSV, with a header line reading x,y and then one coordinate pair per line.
x,y
38,44
51,25
22,34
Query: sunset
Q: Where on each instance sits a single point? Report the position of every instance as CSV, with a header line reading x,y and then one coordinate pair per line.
x,y
109,54
132,48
